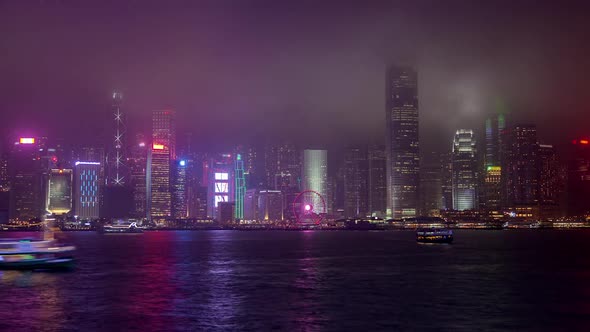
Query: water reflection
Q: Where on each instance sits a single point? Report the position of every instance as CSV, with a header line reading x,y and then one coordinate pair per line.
x,y
32,299
306,302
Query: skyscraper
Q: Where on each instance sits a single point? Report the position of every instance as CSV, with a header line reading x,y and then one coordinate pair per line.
x,y
59,191
87,189
159,175
220,184
492,193
578,178
464,169
315,172
446,170
26,177
550,187
520,161
356,194
282,166
179,190
4,179
163,153
138,180
117,170
403,152
430,185
240,187
377,185
164,130
494,127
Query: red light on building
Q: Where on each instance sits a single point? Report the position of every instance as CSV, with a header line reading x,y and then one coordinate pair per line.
x,y
26,140
158,146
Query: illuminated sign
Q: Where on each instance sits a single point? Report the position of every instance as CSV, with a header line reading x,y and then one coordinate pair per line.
x,y
158,146
222,176
27,140
220,198
86,163
494,168
221,187
583,141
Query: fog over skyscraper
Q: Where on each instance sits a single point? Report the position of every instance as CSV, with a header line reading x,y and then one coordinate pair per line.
x,y
464,170
402,151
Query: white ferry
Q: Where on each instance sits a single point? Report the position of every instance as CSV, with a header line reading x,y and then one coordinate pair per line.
x,y
27,254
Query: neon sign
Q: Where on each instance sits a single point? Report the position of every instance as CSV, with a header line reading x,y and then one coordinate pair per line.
x,y
27,140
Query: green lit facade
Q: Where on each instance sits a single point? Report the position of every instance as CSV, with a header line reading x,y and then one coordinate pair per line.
x,y
240,189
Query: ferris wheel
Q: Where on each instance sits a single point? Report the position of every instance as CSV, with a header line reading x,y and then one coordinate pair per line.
x,y
309,208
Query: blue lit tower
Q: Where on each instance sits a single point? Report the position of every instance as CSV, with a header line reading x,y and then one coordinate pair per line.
x,y
86,193
403,152
240,187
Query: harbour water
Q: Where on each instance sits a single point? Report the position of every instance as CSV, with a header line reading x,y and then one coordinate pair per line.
x,y
307,281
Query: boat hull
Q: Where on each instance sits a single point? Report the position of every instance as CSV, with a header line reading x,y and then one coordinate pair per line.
x,y
445,239
63,263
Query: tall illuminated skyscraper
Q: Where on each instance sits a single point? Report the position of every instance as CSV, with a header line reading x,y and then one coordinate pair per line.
x,y
162,154
402,151
315,172
494,127
164,130
87,189
26,180
240,186
179,190
464,169
520,166
117,170
138,170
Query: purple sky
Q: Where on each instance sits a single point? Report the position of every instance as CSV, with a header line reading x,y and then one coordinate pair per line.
x,y
310,71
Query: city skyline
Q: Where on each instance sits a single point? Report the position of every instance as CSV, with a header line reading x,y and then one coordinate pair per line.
x,y
257,78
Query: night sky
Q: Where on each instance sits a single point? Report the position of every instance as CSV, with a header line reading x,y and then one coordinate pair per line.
x,y
308,71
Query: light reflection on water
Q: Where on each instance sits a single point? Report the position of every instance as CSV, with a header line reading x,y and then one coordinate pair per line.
x,y
307,281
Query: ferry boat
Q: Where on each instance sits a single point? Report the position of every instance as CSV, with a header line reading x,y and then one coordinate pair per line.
x,y
122,227
28,254
434,235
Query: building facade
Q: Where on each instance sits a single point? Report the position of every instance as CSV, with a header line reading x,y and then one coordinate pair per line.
x,y
520,166
87,189
377,182
356,195
315,173
59,191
